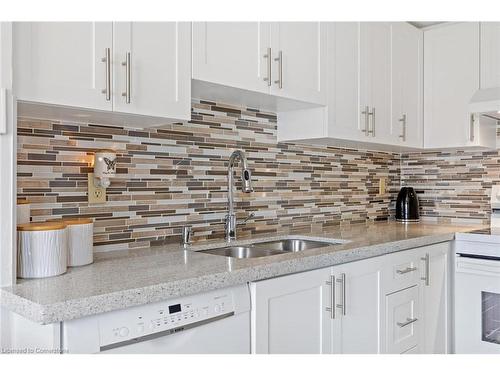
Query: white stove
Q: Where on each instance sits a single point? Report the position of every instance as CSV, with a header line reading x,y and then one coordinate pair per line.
x,y
477,286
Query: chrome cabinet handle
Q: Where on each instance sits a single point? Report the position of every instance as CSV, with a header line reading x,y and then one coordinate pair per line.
x,y
406,270
342,306
366,112
408,322
331,309
471,129
279,59
268,56
403,133
128,74
427,278
372,130
107,60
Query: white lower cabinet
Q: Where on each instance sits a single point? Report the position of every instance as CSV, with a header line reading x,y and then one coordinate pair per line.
x,y
403,320
289,314
436,298
356,325
396,303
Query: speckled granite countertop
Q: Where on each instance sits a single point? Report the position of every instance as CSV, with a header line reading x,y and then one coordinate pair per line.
x,y
129,278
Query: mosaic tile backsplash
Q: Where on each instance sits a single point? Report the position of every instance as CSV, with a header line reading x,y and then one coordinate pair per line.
x,y
176,174
453,186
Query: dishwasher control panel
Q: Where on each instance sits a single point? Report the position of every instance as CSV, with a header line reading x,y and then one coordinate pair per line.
x,y
173,315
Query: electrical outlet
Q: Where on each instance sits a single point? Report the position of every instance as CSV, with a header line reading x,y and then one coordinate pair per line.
x,y
96,194
381,186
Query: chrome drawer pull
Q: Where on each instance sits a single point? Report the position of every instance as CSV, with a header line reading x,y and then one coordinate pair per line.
x,y
408,322
426,259
366,112
331,309
406,270
268,56
107,61
128,78
403,121
342,306
372,113
471,121
279,59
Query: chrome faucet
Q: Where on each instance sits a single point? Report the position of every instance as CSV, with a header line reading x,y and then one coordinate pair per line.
x,y
246,186
187,233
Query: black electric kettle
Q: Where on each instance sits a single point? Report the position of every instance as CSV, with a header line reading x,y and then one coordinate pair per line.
x,y
407,206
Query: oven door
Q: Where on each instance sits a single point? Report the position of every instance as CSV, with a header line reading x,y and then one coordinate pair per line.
x,y
477,305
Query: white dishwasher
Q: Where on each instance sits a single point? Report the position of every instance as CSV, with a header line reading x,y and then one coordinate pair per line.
x,y
213,322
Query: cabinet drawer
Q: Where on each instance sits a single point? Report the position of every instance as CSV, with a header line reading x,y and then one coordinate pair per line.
x,y
402,320
401,271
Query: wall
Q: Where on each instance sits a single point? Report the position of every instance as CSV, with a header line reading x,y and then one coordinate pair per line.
x,y
176,174
453,186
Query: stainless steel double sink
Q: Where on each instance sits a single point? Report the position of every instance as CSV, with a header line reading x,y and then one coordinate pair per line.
x,y
268,248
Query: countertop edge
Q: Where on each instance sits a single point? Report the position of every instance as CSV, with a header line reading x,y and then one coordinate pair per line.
x,y
87,306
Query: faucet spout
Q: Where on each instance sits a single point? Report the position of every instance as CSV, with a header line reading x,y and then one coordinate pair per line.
x,y
246,176
246,183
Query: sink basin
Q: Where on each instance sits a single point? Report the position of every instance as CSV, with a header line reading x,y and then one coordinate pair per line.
x,y
264,249
241,252
293,244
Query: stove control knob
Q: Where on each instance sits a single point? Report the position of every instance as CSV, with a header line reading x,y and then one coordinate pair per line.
x,y
124,331
217,309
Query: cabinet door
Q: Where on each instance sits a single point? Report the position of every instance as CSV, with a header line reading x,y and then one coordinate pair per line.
x,y
375,79
403,320
61,63
357,327
232,54
451,76
289,314
302,47
407,79
343,82
158,76
435,288
490,54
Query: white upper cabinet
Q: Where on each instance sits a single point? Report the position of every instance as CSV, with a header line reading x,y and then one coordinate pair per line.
x,y
138,68
375,80
451,77
407,82
374,77
285,59
343,81
232,54
62,63
299,60
152,68
490,54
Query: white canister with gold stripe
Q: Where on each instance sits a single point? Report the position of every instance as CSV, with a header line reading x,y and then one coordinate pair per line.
x,y
23,211
42,249
80,241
